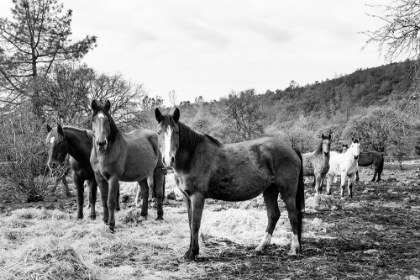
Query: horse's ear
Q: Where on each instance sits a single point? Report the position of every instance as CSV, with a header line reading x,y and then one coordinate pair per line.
x,y
352,139
60,129
48,128
107,105
94,105
329,136
322,136
176,115
158,115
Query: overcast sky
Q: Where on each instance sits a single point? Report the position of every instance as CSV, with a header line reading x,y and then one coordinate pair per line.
x,y
210,48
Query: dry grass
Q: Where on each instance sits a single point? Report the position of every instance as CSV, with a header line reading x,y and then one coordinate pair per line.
x,y
374,236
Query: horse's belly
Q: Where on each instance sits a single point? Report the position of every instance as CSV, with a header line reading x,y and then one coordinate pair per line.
x,y
237,189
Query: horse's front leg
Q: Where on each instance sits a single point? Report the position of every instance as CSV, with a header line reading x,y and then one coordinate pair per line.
x,y
329,182
197,205
159,185
342,184
93,189
113,191
318,184
103,187
350,185
144,193
78,182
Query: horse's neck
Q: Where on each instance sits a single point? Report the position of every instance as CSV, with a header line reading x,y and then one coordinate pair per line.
x,y
188,143
79,143
348,155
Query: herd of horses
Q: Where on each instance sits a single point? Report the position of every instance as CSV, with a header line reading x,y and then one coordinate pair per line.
x,y
203,167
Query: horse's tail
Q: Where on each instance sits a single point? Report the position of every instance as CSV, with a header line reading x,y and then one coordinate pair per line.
x,y
300,198
381,166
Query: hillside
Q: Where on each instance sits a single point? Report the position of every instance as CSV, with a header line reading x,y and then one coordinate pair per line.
x,y
377,86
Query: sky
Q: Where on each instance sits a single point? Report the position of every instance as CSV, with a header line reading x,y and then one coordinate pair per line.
x,y
211,48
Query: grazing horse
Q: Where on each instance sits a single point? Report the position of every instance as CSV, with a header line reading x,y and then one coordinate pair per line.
x,y
371,158
345,165
78,144
205,168
128,157
316,163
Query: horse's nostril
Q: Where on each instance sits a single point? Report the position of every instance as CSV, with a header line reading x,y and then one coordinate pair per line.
x,y
101,143
172,160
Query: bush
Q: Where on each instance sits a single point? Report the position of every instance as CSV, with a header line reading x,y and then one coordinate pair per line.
x,y
23,154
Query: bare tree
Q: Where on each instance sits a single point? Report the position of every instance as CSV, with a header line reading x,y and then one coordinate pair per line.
x,y
244,115
399,34
34,39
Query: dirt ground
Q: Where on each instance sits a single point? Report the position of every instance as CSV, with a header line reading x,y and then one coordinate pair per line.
x,y
375,235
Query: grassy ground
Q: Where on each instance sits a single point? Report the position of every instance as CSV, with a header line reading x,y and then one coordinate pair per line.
x,y
376,235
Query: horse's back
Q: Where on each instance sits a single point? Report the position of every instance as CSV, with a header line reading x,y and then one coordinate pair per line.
x,y
142,154
241,171
369,158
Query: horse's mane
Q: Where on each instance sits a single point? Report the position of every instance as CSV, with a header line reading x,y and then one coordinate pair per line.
x,y
88,132
192,138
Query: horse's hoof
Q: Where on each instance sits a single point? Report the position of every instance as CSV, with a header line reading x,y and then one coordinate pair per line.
x,y
188,256
142,218
112,227
92,217
159,219
343,198
80,217
259,252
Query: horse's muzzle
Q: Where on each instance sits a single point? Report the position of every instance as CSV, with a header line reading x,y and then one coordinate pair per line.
x,y
168,164
326,153
102,145
356,157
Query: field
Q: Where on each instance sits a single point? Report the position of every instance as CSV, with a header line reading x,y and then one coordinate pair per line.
x,y
375,235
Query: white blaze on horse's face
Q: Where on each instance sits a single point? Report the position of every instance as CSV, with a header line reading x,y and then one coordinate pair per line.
x,y
101,130
170,145
355,149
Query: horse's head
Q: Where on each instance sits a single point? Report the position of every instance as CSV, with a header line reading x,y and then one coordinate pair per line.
x,y
168,130
326,144
355,148
57,146
344,148
101,124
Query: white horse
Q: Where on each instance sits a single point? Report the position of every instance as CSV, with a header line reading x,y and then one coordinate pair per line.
x,y
344,165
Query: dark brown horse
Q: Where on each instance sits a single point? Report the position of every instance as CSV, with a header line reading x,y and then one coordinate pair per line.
x,y
371,158
78,144
129,157
205,168
316,163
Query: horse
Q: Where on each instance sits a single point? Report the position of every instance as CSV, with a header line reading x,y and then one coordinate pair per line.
x,y
371,158
205,168
78,144
345,165
344,148
316,163
128,157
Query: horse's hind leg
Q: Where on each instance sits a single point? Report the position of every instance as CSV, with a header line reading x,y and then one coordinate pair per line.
x,y
273,214
295,223
78,182
144,191
117,204
137,195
